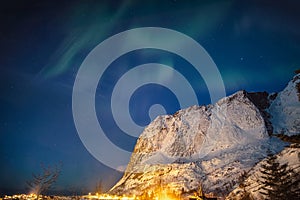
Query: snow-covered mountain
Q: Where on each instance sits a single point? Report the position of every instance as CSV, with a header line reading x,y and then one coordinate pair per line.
x,y
211,145
250,186
285,109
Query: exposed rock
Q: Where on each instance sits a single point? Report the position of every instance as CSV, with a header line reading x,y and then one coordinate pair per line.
x,y
213,145
285,110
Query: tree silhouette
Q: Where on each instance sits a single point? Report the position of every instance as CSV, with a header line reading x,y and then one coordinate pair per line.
x,y
278,181
43,181
99,187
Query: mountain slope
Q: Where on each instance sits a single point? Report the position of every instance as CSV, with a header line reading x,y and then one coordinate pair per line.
x,y
211,145
290,155
285,109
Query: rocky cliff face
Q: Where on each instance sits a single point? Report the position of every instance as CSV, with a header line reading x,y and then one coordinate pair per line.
x,y
285,109
213,145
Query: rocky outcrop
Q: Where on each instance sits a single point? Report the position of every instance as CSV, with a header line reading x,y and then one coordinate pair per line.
x,y
211,145
285,109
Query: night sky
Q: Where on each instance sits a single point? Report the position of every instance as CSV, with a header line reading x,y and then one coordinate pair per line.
x,y
256,47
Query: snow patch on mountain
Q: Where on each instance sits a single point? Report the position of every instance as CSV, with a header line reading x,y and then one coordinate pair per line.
x,y
285,109
290,156
195,132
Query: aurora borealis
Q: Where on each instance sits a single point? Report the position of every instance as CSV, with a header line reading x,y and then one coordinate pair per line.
x,y
256,47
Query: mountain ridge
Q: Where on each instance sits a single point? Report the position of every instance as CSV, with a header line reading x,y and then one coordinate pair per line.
x,y
210,145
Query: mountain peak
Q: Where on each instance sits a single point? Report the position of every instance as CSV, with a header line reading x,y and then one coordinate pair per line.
x,y
211,145
285,109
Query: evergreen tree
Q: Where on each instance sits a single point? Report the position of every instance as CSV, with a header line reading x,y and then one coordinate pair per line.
x,y
278,181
